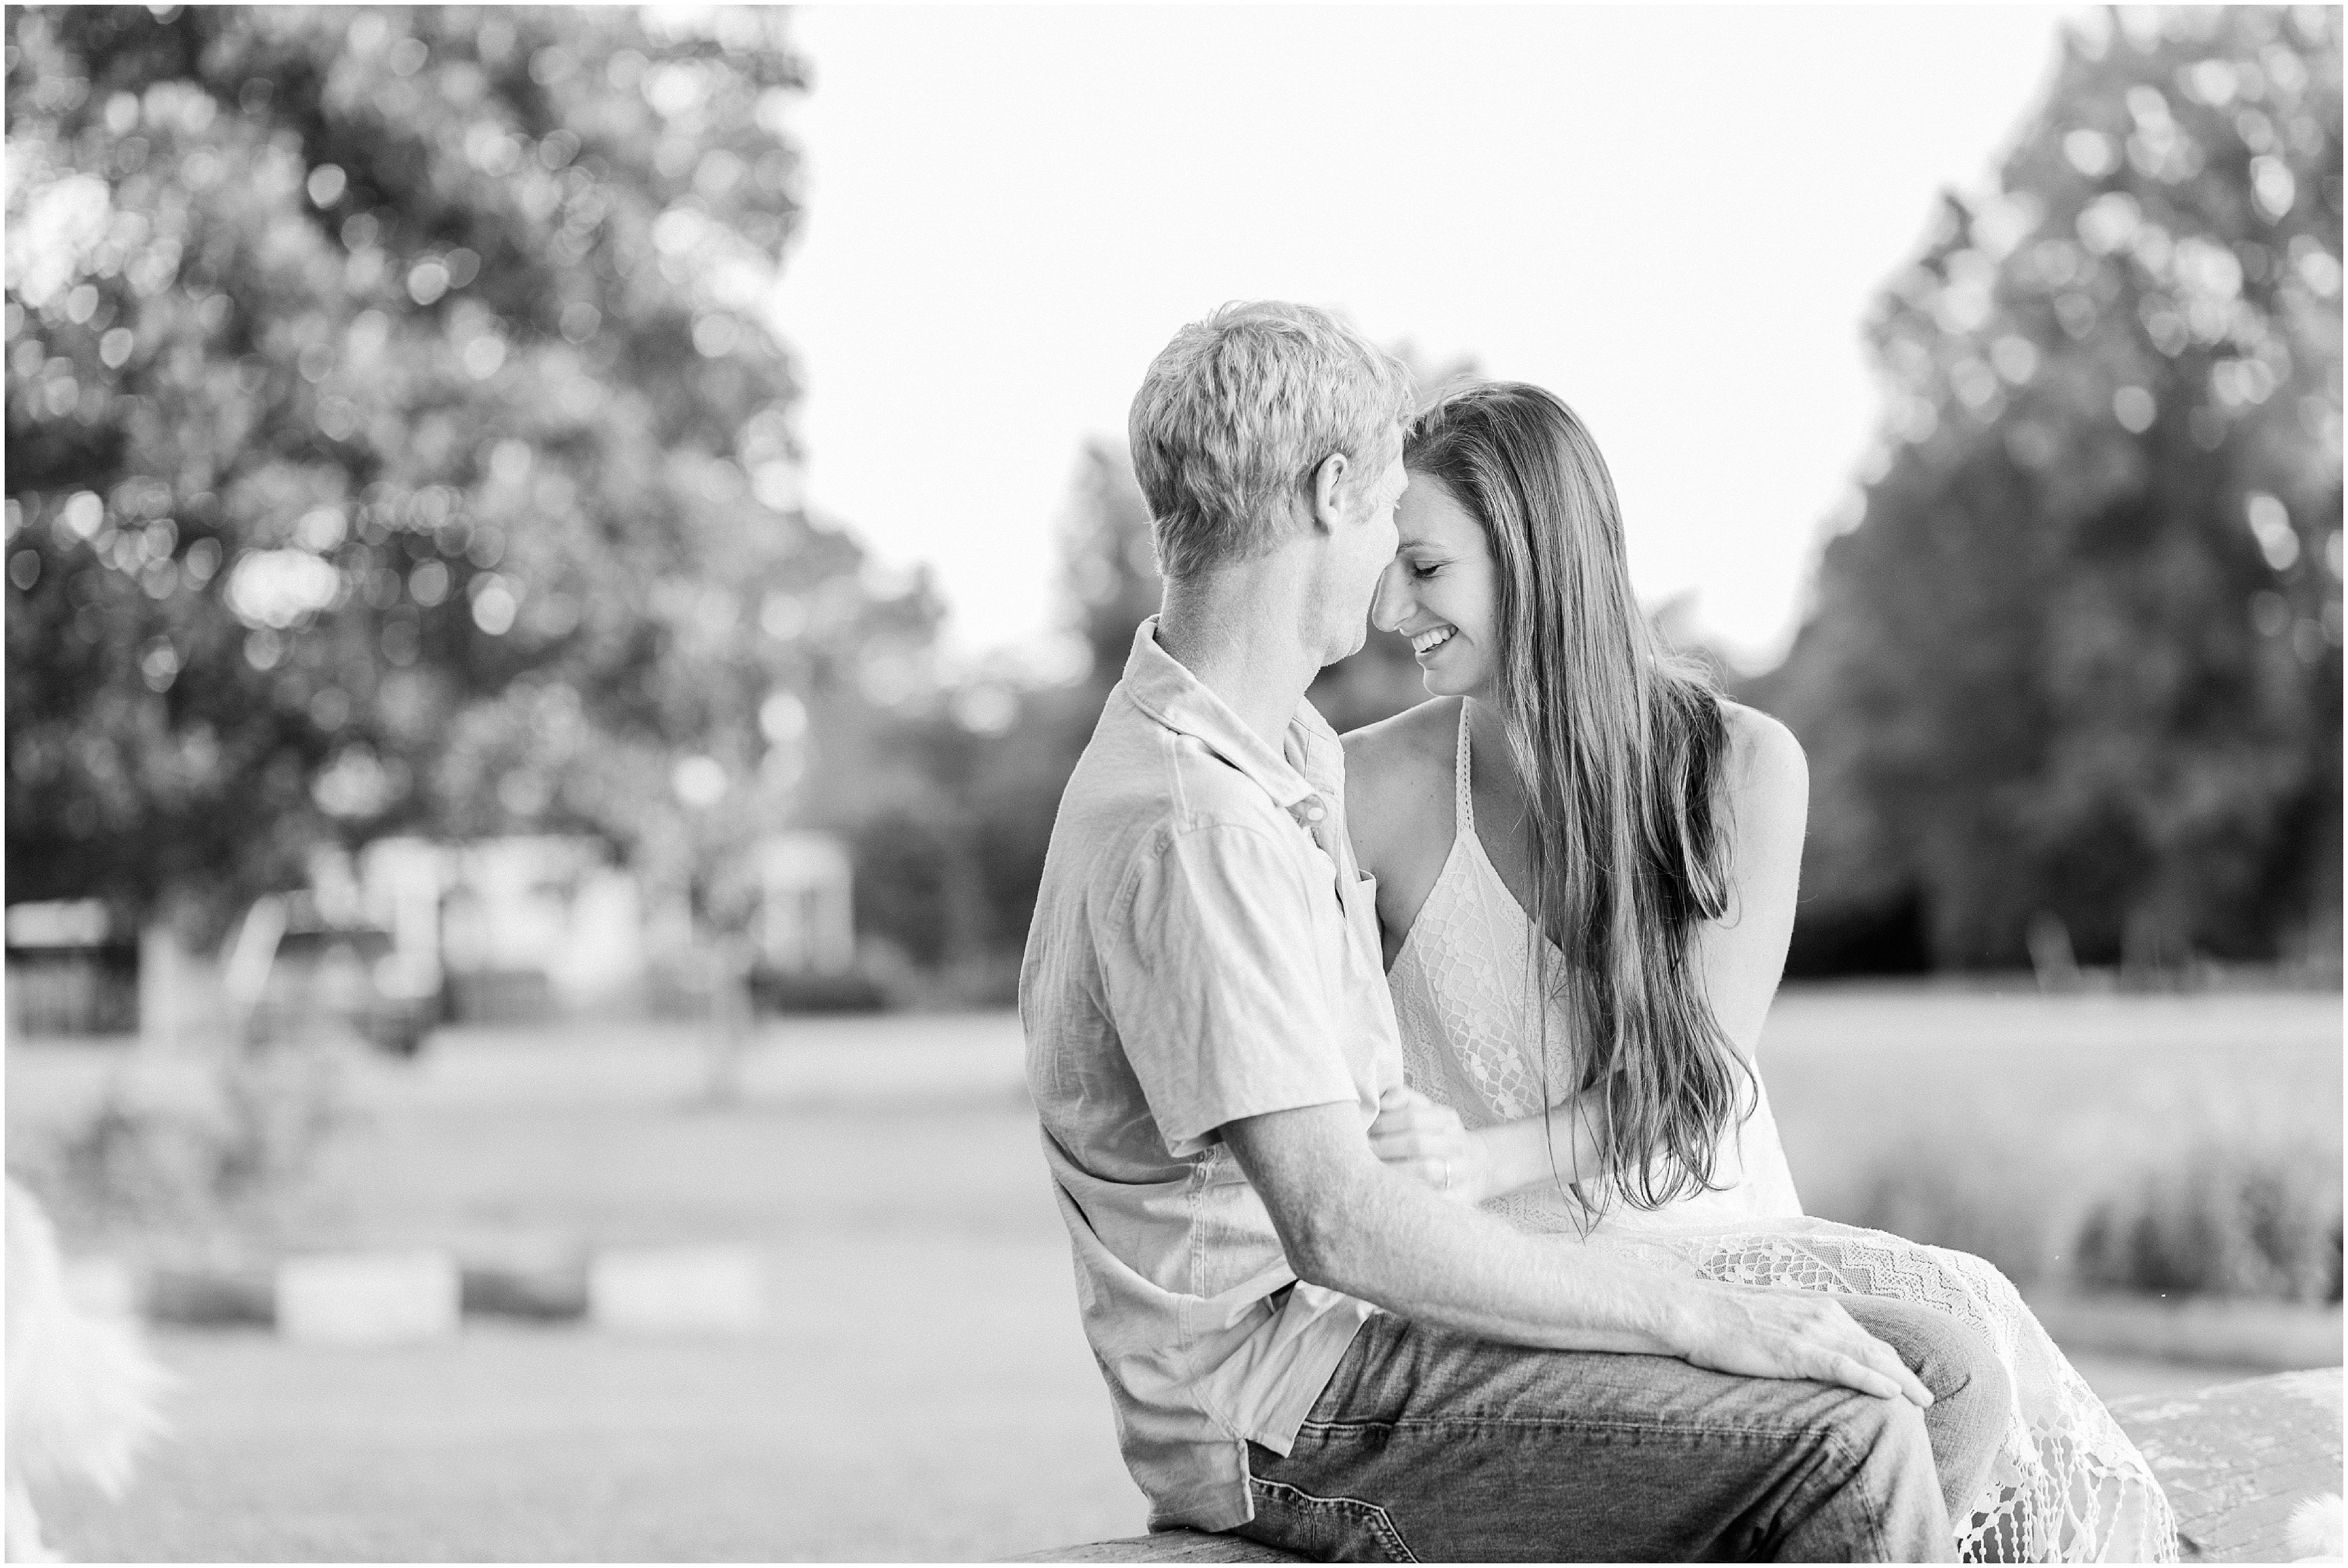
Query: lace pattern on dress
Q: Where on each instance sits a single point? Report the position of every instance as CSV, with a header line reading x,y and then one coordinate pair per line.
x,y
2069,1485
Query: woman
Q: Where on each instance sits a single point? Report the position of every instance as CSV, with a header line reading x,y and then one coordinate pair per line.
x,y
1586,862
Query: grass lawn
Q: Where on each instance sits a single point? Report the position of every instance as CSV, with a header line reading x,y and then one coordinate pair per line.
x,y
911,1400
2000,1123
921,1389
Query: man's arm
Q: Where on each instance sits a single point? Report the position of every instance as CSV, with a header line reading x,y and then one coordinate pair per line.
x,y
1349,1223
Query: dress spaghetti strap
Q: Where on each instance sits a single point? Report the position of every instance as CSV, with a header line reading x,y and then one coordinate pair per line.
x,y
1463,805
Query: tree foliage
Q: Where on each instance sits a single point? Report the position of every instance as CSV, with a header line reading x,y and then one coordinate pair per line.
x,y
394,439
2079,660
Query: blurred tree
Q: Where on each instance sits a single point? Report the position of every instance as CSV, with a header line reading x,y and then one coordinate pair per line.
x,y
394,439
950,850
1012,782
1108,573
2076,668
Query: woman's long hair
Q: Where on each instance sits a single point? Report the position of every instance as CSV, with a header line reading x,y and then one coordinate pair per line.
x,y
1619,745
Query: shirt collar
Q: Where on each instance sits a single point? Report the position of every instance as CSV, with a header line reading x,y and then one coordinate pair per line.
x,y
1161,687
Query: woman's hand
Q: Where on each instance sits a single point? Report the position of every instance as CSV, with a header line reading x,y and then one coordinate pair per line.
x,y
1421,1138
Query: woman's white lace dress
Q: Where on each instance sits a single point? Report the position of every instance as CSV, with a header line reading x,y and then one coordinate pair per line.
x,y
2069,1485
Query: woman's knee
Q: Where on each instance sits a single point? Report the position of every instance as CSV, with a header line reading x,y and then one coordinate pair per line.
x,y
1949,1357
1972,1391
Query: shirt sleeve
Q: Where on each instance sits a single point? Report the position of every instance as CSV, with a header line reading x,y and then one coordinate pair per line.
x,y
1216,987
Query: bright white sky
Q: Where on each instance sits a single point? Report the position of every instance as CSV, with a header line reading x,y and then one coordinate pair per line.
x,y
1674,219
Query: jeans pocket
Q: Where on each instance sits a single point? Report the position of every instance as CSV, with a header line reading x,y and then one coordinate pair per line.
x,y
1325,1528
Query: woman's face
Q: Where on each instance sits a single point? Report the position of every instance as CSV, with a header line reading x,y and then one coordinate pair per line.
x,y
1442,592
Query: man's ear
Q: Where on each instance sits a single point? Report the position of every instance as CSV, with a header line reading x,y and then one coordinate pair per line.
x,y
1328,481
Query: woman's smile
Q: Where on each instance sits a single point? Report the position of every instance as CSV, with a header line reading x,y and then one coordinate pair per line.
x,y
1433,638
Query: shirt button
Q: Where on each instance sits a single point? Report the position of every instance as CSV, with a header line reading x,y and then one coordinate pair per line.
x,y
1315,811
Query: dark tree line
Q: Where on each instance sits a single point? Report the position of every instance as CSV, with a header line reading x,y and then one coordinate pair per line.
x,y
2073,681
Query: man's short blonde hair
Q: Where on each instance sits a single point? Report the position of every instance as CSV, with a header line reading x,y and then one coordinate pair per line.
x,y
1238,413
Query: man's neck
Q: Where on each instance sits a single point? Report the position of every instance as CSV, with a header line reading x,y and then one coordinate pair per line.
x,y
1236,631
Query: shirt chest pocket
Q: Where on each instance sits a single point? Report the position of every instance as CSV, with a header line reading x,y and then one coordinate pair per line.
x,y
1345,939
1362,954
1336,926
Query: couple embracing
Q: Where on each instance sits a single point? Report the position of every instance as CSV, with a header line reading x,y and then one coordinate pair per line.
x,y
1399,1092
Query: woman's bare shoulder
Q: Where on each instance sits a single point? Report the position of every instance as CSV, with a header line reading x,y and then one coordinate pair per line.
x,y
1767,774
1393,750
1755,735
1397,777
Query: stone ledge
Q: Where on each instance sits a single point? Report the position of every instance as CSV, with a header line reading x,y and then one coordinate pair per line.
x,y
1167,1546
2235,1459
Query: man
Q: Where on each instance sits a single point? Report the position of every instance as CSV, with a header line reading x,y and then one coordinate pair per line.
x,y
1300,1344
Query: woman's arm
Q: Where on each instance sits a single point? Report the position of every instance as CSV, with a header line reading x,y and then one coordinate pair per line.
x,y
1565,1146
1425,1139
1740,957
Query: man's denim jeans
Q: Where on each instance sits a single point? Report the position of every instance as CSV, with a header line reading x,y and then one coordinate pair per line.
x,y
1435,1446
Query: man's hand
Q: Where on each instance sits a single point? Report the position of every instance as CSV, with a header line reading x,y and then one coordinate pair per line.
x,y
1421,1138
1758,1333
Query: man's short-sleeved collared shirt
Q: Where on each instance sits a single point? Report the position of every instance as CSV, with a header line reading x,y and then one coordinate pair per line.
x,y
1204,948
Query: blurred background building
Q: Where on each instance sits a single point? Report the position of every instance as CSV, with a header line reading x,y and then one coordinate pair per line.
x,y
415,620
